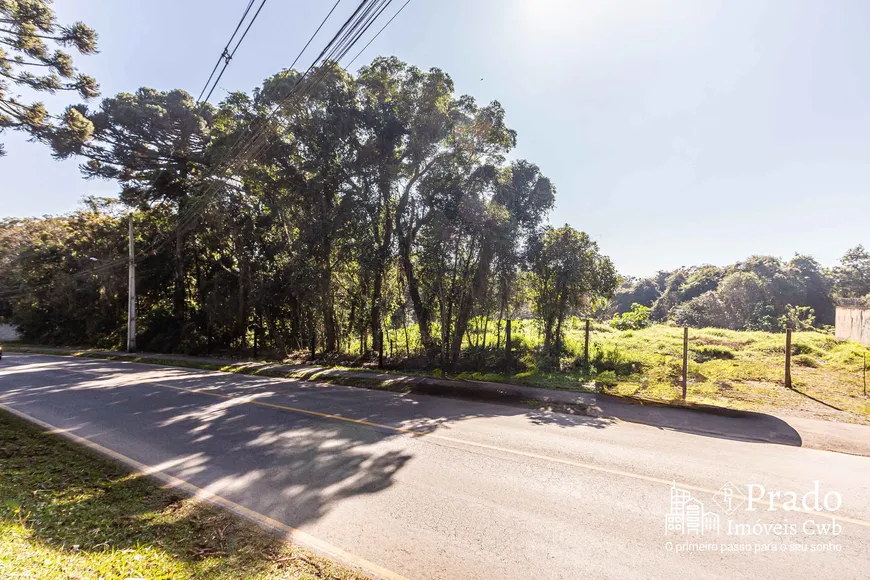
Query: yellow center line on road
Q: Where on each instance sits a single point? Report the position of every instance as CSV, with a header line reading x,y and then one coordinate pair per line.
x,y
516,452
286,408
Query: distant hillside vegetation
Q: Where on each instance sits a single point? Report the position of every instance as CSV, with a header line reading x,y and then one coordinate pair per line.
x,y
759,293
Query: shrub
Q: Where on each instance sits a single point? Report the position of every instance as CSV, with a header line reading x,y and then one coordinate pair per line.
x,y
805,360
799,348
763,318
703,311
520,344
711,352
606,379
571,346
636,319
798,317
610,360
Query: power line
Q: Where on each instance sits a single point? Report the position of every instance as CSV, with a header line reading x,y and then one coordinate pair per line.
x,y
227,54
304,48
366,12
225,50
192,211
378,34
348,35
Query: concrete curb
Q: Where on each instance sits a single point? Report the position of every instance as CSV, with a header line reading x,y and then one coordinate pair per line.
x,y
762,427
459,389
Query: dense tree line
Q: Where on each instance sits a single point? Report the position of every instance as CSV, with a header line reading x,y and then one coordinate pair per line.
x,y
760,293
370,213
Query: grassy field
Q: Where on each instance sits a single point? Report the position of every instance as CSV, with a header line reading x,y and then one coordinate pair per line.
x,y
69,513
740,369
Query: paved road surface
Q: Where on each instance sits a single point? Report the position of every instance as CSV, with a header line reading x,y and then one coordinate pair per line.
x,y
437,488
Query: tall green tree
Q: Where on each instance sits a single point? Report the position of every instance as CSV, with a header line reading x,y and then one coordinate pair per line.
x,y
28,28
567,271
852,275
521,199
156,145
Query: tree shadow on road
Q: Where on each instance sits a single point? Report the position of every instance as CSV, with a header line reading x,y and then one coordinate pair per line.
x,y
310,445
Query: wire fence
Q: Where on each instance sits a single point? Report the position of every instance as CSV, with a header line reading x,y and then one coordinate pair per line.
x,y
665,362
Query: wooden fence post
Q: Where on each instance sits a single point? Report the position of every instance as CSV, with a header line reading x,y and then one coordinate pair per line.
x,y
685,359
586,349
788,357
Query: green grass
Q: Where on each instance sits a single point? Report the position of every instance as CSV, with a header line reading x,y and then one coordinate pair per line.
x,y
66,512
738,369
741,369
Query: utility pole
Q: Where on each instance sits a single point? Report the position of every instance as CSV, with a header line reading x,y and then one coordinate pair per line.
x,y
788,356
685,360
131,295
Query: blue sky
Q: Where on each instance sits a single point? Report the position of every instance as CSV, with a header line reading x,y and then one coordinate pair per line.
x,y
677,132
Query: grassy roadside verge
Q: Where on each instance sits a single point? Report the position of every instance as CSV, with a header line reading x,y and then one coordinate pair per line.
x,y
262,369
67,512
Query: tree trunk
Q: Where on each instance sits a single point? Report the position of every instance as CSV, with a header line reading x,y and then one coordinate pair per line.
x,y
313,330
329,325
278,336
548,334
350,321
563,302
178,291
383,256
478,291
421,312
507,343
498,328
375,315
363,324
295,323
242,326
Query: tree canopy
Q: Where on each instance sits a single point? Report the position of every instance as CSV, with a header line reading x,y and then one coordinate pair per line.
x,y
759,293
28,29
367,214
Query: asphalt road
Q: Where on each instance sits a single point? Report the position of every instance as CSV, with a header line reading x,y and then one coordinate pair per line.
x,y
427,487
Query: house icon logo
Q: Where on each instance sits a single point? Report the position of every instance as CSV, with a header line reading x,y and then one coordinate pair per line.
x,y
688,516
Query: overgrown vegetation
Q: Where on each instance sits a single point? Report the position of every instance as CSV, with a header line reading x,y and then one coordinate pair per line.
x,y
69,513
741,369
